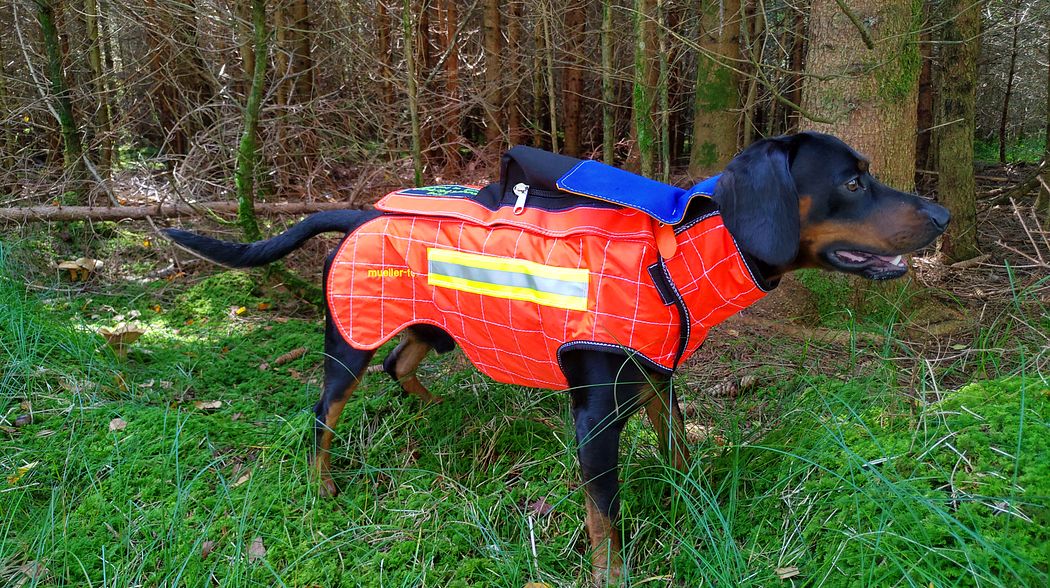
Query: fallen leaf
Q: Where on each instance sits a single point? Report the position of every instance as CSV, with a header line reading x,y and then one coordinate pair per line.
x,y
788,572
45,433
236,416
31,571
23,420
537,585
541,507
242,479
21,471
206,548
208,404
117,424
263,306
257,550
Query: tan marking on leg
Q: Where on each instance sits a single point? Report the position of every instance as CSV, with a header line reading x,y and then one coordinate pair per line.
x,y
410,354
606,564
663,411
322,456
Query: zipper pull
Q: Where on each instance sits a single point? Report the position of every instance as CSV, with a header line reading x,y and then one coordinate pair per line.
x,y
521,190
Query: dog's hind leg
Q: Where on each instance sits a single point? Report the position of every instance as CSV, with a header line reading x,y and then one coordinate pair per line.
x,y
661,406
401,364
344,367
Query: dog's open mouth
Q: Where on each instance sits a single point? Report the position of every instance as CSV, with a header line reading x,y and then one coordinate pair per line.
x,y
870,265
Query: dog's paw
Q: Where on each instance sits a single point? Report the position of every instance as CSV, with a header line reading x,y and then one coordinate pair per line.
x,y
328,489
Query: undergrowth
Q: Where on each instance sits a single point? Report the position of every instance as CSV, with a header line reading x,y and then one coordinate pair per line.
x,y
186,464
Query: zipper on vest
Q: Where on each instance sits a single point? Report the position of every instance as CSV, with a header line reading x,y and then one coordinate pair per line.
x,y
521,190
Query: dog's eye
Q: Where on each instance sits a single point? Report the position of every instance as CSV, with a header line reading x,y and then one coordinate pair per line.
x,y
853,185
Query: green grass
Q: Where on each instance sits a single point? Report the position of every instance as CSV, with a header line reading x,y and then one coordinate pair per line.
x,y
1030,150
850,479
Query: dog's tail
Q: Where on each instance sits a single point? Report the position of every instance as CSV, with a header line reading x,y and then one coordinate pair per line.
x,y
262,252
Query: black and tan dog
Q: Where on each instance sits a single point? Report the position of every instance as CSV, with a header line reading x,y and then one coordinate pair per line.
x,y
789,202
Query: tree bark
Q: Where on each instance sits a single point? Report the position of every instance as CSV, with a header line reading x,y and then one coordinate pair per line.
x,y
72,148
1011,72
247,151
515,125
413,100
868,94
646,72
573,76
608,89
717,95
956,111
491,40
1042,203
103,130
924,106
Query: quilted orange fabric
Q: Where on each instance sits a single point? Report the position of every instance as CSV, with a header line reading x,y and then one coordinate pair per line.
x,y
515,289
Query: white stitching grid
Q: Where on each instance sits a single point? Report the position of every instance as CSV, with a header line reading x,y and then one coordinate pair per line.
x,y
498,352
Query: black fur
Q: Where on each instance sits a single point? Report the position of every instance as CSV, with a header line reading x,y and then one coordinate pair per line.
x,y
263,252
759,202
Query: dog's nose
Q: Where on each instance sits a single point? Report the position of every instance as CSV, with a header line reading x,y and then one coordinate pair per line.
x,y
939,216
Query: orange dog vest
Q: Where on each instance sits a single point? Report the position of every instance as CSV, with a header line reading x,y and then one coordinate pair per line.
x,y
518,285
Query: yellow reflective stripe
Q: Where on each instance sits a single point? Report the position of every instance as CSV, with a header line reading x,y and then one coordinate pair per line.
x,y
509,292
509,278
508,264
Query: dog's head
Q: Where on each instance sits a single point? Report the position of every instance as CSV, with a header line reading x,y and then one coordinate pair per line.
x,y
808,200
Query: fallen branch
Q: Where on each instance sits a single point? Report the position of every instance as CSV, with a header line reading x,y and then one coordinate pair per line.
x,y
117,213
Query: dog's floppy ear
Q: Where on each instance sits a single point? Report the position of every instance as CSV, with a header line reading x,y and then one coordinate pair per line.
x,y
759,202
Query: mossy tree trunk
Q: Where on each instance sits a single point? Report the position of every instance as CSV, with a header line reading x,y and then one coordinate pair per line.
x,y
408,30
248,158
868,94
515,124
956,100
72,149
608,89
1042,203
717,95
646,72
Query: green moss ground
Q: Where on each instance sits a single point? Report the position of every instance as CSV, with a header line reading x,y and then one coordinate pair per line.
x,y
841,477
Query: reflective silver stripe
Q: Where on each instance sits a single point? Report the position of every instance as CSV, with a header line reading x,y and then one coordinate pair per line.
x,y
506,278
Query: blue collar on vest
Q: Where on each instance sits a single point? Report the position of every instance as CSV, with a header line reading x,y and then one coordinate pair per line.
x,y
665,203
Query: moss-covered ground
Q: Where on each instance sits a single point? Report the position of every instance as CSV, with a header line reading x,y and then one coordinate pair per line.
x,y
185,463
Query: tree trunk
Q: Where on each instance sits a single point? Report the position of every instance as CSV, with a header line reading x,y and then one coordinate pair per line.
x,y
453,116
663,92
646,72
382,24
925,107
956,111
608,90
413,102
103,130
547,18
575,16
515,125
1010,74
63,104
868,94
717,94
799,41
755,31
247,151
1042,203
491,37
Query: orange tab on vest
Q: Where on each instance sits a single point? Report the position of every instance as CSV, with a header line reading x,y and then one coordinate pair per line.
x,y
665,239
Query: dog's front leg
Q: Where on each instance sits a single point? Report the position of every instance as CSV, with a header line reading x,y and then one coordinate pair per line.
x,y
605,393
